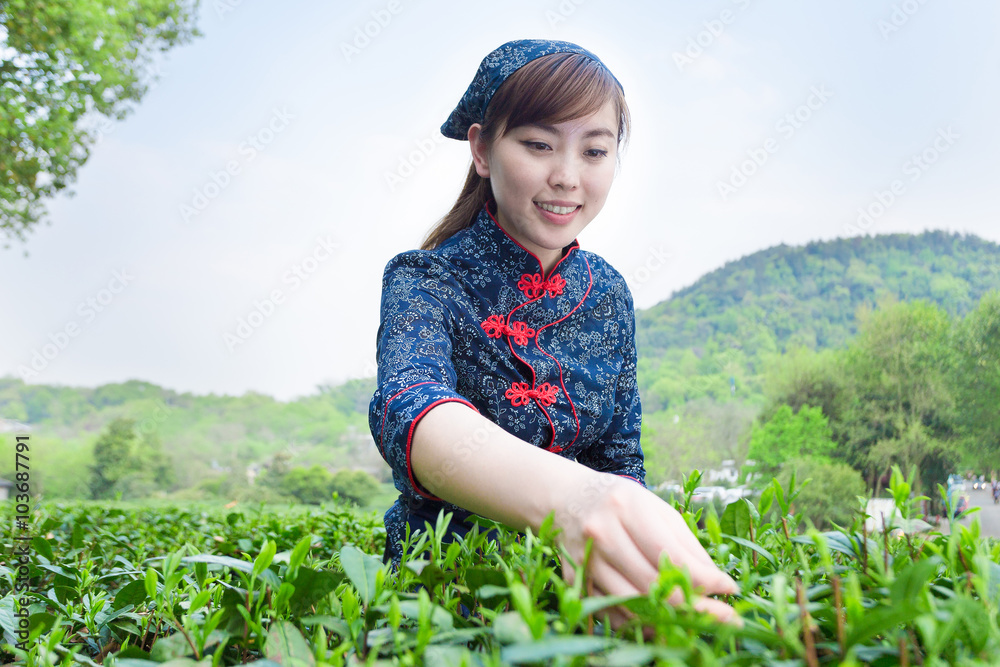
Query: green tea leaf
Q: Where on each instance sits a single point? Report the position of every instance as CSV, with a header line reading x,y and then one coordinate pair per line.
x,y
333,623
595,603
298,554
446,656
360,568
264,558
311,587
477,577
286,646
510,628
170,647
150,582
244,566
553,647
736,519
439,616
752,545
132,593
42,547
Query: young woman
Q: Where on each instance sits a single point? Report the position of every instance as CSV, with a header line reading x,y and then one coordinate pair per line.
x,y
506,354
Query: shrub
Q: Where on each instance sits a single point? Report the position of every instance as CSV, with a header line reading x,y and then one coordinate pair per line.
x,y
356,486
831,496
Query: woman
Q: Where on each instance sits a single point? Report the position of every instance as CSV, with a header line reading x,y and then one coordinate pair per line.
x,y
506,354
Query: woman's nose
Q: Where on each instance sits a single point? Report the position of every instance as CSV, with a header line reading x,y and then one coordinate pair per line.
x,y
565,173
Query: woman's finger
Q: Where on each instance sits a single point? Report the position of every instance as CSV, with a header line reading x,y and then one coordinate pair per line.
x,y
607,578
719,609
672,536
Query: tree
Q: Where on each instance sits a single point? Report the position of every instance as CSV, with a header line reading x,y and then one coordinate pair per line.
x,y
356,486
790,435
804,377
126,464
65,64
831,496
309,485
112,457
700,434
902,407
977,381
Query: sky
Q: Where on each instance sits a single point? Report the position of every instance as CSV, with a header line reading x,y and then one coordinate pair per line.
x,y
230,234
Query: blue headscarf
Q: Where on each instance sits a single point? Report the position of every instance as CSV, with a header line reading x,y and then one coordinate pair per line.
x,y
493,71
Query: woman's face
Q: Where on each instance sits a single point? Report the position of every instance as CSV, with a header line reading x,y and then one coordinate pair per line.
x,y
550,181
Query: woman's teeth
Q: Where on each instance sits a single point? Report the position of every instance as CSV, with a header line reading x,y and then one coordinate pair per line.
x,y
561,210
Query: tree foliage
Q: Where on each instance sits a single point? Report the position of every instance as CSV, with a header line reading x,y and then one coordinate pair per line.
x,y
65,63
831,495
315,485
128,464
790,435
902,405
977,379
205,435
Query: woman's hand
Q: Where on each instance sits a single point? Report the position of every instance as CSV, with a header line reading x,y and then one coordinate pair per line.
x,y
631,527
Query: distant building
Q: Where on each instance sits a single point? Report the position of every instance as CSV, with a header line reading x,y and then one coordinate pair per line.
x,y
5,488
728,473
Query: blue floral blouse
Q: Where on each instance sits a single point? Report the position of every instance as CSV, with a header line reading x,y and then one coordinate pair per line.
x,y
550,358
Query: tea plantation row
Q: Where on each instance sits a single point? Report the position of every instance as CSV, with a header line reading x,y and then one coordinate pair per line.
x,y
181,586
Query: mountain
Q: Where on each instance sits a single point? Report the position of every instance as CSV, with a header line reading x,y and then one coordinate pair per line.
x,y
721,331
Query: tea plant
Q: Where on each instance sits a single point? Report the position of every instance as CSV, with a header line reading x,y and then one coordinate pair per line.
x,y
197,587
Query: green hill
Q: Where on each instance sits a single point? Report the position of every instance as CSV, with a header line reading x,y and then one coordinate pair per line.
x,y
723,329
204,436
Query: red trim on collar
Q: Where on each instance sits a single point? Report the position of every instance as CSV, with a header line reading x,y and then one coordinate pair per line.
x,y
572,246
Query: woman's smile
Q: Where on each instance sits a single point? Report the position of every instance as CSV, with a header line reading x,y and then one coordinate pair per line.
x,y
560,214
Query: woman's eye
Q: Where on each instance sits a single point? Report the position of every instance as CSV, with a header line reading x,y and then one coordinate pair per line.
x,y
596,152
536,145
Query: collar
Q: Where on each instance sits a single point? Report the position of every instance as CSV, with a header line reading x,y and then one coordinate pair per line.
x,y
489,242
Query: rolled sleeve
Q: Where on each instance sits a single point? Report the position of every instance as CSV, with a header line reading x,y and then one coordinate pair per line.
x,y
414,354
619,451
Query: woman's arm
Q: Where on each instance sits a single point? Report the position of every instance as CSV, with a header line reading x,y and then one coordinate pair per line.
x,y
462,457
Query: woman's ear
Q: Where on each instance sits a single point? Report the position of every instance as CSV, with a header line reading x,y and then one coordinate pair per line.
x,y
480,150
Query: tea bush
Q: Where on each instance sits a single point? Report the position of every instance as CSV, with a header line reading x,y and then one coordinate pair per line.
x,y
187,586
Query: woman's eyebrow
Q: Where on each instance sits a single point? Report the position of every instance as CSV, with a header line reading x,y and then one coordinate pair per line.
x,y
597,132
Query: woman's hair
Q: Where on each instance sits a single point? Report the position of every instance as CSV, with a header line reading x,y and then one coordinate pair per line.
x,y
548,90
